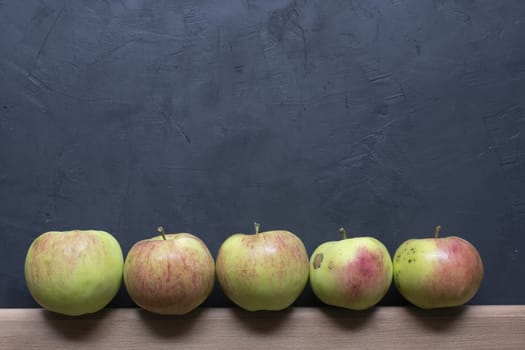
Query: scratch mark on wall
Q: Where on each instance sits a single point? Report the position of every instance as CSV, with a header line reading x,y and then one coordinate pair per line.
x,y
169,119
302,35
37,82
46,37
380,77
285,21
104,56
396,97
44,86
503,129
182,132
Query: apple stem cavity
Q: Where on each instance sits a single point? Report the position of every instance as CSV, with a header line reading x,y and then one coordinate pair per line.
x,y
257,226
160,230
437,231
342,231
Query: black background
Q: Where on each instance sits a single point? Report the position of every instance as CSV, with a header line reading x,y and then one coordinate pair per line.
x,y
385,117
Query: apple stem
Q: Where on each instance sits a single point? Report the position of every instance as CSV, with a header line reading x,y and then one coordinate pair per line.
x,y
160,230
436,231
257,226
342,231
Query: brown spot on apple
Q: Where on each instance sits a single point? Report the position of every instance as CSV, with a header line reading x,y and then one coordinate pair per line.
x,y
318,259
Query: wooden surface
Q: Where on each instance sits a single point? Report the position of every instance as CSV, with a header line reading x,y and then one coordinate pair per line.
x,y
470,327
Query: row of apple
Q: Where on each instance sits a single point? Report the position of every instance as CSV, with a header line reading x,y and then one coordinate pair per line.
x,y
80,271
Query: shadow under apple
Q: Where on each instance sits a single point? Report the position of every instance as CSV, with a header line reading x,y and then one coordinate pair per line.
x,y
76,328
439,320
170,326
346,319
261,322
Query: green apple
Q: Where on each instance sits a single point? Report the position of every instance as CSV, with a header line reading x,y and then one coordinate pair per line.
x,y
437,272
170,274
74,272
353,273
262,271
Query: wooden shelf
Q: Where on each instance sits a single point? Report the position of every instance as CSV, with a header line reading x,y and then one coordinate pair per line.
x,y
468,327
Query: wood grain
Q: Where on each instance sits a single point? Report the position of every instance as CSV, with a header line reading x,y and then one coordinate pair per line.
x,y
468,327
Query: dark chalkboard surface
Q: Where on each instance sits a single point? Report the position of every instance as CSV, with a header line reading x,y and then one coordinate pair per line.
x,y
385,117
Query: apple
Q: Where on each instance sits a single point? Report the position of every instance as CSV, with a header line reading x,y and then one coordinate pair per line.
x,y
74,272
169,274
262,271
352,273
437,272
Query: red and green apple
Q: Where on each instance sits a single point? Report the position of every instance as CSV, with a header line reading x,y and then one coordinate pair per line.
x,y
437,272
169,274
74,272
352,273
262,271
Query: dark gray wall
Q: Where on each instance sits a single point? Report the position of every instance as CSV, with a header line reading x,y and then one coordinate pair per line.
x,y
386,117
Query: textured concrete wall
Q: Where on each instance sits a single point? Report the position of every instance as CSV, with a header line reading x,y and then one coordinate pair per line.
x,y
385,117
